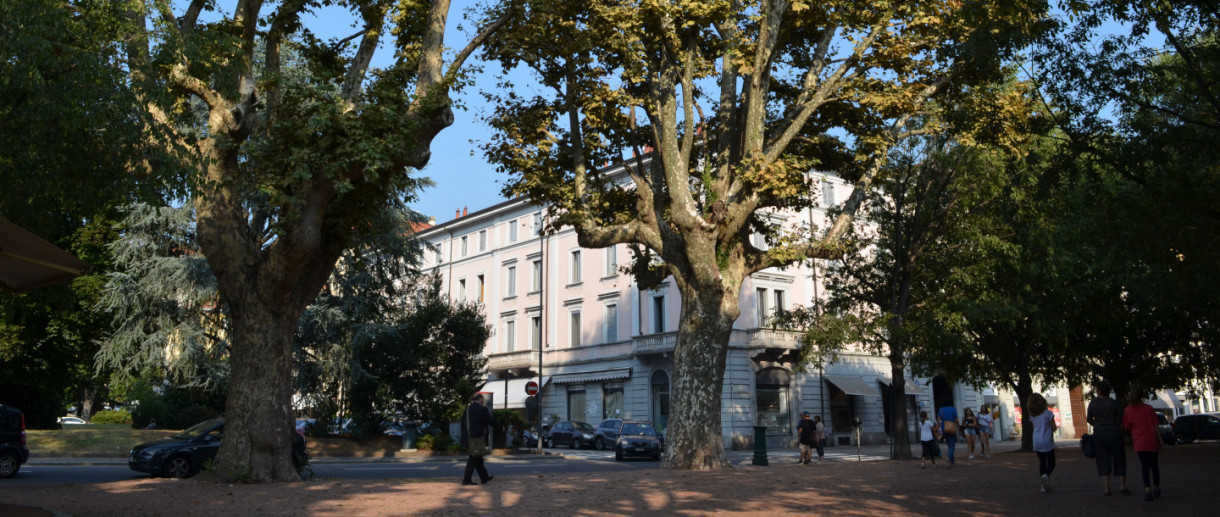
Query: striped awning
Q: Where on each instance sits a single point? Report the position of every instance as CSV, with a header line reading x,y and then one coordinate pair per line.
x,y
592,376
853,385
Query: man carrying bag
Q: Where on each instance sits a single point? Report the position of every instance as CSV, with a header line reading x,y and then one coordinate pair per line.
x,y
477,427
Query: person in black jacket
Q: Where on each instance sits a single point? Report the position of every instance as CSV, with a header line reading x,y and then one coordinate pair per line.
x,y
480,423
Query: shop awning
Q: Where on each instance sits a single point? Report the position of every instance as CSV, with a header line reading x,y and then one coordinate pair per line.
x,y
27,261
592,376
1166,400
853,385
912,386
509,394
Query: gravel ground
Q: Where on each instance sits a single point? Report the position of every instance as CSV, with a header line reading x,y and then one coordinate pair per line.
x,y
1006,484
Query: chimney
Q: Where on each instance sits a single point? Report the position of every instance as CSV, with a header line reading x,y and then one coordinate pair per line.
x,y
464,212
457,213
432,220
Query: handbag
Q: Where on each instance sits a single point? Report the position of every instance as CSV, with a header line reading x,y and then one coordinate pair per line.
x,y
950,427
478,445
1087,446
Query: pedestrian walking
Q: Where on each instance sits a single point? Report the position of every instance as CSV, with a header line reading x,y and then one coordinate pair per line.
x,y
1106,416
1044,437
1140,420
477,427
927,439
819,436
806,430
985,420
949,427
970,428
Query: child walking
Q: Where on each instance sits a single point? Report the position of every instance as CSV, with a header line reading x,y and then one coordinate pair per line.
x,y
1044,438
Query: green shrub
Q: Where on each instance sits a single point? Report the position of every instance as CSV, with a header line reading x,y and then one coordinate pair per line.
x,y
111,417
193,415
442,442
424,442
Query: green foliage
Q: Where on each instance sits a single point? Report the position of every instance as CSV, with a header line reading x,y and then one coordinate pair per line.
x,y
111,417
425,442
149,407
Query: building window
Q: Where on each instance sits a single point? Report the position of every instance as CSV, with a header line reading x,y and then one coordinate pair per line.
x,y
512,231
658,314
537,227
482,286
536,276
576,405
464,245
611,323
761,307
440,256
575,267
575,328
611,261
612,403
510,281
536,332
828,193
771,386
461,294
660,400
482,240
510,336
779,301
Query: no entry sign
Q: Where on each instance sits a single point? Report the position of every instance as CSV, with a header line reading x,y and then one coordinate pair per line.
x,y
531,388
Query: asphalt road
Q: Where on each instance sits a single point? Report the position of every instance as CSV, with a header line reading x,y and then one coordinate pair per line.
x,y
574,462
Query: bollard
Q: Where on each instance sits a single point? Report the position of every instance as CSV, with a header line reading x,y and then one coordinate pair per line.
x,y
760,445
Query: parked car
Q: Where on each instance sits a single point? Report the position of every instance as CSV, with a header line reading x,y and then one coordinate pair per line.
x,y
607,433
1165,426
13,452
71,420
1188,428
182,455
573,434
529,437
637,438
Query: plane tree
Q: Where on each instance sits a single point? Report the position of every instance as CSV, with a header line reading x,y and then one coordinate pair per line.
x,y
291,168
715,112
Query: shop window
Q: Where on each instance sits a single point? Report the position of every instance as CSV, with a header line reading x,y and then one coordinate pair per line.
x,y
576,404
771,387
660,400
612,403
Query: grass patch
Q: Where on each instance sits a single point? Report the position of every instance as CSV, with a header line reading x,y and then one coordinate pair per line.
x,y
115,440
90,441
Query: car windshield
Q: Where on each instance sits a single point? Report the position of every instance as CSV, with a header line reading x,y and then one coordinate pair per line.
x,y
634,429
195,430
583,427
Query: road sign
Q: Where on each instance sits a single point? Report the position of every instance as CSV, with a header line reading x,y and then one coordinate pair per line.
x,y
531,388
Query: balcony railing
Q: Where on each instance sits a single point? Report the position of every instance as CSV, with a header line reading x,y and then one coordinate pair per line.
x,y
655,343
771,338
512,360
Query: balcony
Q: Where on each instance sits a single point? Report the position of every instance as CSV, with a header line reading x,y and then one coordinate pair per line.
x,y
519,361
655,344
774,345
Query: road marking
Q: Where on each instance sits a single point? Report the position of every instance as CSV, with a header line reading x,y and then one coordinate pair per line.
x,y
392,468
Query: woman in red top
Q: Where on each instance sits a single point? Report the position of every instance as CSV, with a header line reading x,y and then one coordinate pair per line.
x,y
1140,420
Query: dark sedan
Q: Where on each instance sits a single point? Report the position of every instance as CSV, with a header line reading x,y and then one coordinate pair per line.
x,y
182,455
1188,428
574,435
638,439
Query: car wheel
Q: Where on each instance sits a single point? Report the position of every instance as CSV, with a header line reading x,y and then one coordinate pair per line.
x,y
9,465
599,444
618,455
549,443
177,467
1182,438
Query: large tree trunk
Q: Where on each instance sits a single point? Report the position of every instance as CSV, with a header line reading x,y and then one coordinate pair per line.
x,y
898,405
694,440
258,429
1025,388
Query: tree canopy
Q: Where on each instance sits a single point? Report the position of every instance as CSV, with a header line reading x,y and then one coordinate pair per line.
x,y
725,107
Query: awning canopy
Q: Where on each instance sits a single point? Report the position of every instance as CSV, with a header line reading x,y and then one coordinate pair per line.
x,y
593,376
853,385
27,261
1166,399
912,386
509,394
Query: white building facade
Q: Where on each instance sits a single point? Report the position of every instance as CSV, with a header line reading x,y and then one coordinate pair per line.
x,y
572,320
